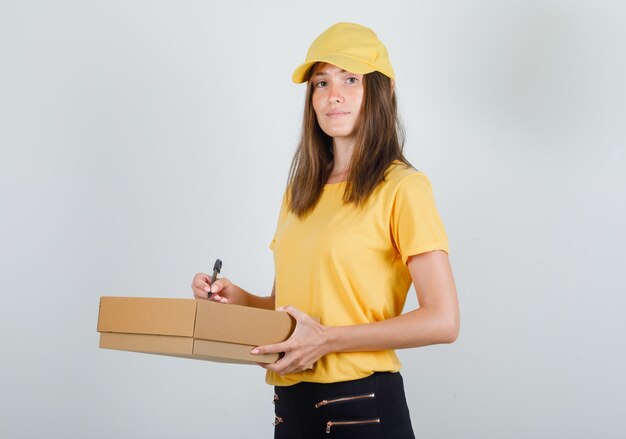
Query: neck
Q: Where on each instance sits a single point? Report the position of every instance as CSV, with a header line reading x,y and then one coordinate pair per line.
x,y
342,153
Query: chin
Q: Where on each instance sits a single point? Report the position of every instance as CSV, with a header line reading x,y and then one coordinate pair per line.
x,y
338,133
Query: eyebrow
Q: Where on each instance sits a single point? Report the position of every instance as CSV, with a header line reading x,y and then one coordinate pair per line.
x,y
324,72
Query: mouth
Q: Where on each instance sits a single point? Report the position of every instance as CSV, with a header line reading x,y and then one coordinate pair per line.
x,y
337,113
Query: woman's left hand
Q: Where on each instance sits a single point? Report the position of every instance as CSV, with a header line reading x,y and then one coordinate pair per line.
x,y
306,345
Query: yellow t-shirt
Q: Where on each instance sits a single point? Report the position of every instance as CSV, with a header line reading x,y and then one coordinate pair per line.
x,y
346,265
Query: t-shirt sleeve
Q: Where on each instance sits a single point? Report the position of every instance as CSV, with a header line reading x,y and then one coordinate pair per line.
x,y
284,208
416,226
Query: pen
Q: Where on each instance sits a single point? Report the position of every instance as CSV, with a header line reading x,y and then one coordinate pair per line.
x,y
217,267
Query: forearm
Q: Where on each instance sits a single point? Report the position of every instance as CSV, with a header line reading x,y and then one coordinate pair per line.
x,y
239,296
254,301
311,341
421,327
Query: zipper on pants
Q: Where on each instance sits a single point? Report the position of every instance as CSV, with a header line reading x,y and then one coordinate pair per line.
x,y
330,424
344,399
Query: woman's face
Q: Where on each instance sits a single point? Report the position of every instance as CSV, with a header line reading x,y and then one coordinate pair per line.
x,y
337,99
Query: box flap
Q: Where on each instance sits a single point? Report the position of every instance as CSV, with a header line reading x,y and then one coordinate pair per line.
x,y
153,344
241,324
217,350
172,346
142,315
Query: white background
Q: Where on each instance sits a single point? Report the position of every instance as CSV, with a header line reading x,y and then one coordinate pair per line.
x,y
142,140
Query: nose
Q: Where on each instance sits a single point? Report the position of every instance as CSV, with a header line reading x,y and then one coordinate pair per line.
x,y
334,94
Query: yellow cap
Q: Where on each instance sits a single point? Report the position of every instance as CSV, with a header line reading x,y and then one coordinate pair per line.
x,y
352,47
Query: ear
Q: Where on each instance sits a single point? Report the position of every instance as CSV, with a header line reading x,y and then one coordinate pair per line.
x,y
392,84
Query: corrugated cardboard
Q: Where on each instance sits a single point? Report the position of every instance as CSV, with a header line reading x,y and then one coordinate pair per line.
x,y
191,328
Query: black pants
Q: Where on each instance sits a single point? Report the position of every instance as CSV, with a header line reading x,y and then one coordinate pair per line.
x,y
369,408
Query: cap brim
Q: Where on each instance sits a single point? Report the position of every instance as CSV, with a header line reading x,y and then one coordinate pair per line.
x,y
347,63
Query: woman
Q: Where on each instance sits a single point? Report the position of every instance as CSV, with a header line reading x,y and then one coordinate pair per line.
x,y
358,224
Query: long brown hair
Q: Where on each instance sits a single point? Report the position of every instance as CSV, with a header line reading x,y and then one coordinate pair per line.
x,y
379,141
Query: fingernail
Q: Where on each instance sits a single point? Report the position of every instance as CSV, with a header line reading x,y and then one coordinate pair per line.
x,y
254,351
213,289
207,289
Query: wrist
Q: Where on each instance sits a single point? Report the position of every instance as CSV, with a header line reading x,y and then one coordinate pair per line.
x,y
242,297
330,336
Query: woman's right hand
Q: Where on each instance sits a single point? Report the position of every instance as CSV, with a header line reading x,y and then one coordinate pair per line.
x,y
223,290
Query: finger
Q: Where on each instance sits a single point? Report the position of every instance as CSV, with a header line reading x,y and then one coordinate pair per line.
x,y
293,368
201,281
294,312
201,278
281,367
218,298
270,366
286,366
219,285
271,349
199,293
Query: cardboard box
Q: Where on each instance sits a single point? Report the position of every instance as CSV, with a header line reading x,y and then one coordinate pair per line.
x,y
191,328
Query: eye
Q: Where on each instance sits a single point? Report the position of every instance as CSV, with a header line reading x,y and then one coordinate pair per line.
x,y
320,84
352,80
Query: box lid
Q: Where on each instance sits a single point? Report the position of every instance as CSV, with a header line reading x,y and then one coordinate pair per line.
x,y
142,315
241,324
